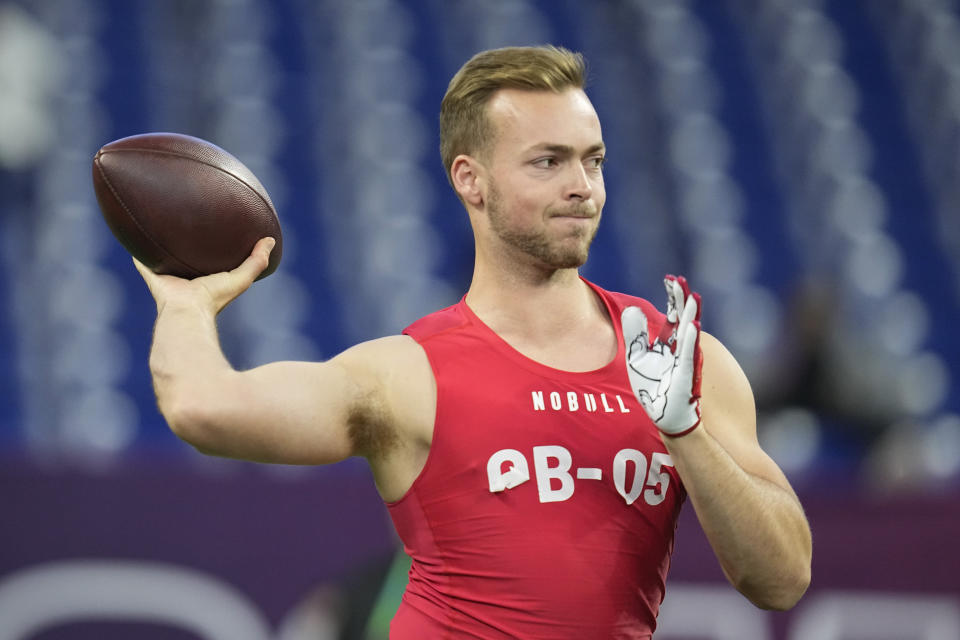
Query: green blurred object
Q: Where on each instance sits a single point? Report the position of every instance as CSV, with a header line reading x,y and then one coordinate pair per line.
x,y
378,625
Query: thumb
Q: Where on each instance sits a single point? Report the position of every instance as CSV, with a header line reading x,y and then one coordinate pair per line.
x,y
154,282
257,261
224,287
145,272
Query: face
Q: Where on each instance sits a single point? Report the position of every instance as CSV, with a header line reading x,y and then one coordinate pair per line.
x,y
544,181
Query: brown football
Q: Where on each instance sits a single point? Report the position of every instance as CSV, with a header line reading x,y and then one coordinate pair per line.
x,y
183,206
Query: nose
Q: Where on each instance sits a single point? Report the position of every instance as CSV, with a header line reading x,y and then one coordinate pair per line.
x,y
579,187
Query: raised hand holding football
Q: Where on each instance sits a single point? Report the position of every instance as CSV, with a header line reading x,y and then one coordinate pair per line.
x,y
183,206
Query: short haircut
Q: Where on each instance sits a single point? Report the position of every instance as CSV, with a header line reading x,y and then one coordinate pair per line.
x,y
464,125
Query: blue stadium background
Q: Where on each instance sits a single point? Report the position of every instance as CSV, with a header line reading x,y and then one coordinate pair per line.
x,y
796,159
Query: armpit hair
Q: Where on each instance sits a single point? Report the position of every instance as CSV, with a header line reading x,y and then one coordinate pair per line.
x,y
371,430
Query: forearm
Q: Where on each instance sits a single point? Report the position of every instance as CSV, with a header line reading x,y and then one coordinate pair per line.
x,y
186,362
756,527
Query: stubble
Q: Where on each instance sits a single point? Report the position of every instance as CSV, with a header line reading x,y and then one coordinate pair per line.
x,y
562,252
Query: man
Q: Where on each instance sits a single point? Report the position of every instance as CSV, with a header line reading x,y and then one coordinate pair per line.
x,y
533,443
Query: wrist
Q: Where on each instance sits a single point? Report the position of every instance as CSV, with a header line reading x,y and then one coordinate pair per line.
x,y
686,443
184,306
683,432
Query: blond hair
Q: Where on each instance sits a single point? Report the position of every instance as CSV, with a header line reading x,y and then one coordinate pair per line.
x,y
464,125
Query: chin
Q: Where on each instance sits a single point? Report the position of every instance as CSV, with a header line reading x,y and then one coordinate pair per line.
x,y
568,260
568,253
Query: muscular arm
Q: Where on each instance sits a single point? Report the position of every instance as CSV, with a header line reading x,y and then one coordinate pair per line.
x,y
744,503
373,400
261,414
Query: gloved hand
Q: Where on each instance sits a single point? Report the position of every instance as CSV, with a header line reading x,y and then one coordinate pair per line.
x,y
665,376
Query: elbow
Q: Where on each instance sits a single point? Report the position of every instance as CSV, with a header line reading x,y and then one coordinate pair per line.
x,y
196,401
780,594
190,419
783,598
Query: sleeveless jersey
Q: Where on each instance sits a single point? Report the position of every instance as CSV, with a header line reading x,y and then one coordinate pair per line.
x,y
547,504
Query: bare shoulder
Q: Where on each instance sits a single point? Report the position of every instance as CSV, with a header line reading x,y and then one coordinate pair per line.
x,y
383,354
392,423
397,386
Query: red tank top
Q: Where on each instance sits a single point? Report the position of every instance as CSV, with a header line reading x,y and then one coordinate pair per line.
x,y
547,505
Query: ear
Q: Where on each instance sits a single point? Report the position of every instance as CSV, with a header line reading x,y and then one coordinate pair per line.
x,y
467,176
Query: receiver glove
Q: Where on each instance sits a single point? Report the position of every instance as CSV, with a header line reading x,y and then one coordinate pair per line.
x,y
665,375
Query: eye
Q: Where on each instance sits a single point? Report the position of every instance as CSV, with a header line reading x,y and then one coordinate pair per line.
x,y
596,162
547,162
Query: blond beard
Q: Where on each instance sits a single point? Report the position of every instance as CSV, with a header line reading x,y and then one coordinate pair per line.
x,y
537,243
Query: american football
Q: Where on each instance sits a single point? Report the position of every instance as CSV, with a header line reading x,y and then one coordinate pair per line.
x,y
182,205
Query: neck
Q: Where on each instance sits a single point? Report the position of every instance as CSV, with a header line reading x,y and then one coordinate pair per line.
x,y
555,318
530,299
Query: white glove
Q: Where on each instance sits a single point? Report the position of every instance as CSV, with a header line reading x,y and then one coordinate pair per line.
x,y
665,376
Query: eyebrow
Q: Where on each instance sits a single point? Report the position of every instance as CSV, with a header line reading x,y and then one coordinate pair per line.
x,y
565,149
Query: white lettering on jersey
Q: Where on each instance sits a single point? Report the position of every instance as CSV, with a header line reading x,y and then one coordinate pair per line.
x,y
606,406
515,475
590,402
589,473
538,404
552,465
572,401
620,473
547,474
657,479
555,403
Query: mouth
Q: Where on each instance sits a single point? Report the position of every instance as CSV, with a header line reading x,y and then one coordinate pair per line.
x,y
577,215
573,216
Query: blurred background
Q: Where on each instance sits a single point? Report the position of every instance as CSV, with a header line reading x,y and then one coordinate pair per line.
x,y
796,159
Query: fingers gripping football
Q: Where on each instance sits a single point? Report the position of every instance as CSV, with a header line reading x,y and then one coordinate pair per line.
x,y
214,291
664,370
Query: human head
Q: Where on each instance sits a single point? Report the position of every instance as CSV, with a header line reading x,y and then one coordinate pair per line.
x,y
464,125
